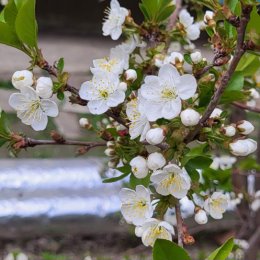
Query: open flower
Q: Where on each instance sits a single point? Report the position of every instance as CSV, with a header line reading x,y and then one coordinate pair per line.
x,y
136,205
102,93
31,109
154,229
162,94
171,180
216,205
115,19
23,78
139,122
116,63
192,30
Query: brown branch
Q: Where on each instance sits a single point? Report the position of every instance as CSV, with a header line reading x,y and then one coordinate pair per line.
x,y
173,18
179,219
226,76
245,107
252,251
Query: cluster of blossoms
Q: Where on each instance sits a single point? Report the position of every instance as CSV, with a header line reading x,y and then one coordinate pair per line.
x,y
163,126
33,105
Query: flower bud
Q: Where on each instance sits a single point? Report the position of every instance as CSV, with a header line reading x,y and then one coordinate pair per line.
x,y
175,58
190,117
254,93
111,144
155,161
44,87
109,152
83,122
243,147
209,15
131,75
245,127
229,130
216,113
23,78
201,217
196,57
139,167
155,136
122,86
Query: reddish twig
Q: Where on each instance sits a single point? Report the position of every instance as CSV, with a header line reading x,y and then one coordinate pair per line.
x,y
179,223
173,18
245,107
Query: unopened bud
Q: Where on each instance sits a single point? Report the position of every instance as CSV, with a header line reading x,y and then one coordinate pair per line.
x,y
131,75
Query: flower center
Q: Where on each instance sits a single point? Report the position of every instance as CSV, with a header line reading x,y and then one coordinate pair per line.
x,y
169,93
108,65
19,78
217,205
103,93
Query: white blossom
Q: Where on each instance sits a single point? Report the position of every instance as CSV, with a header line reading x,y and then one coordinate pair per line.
x,y
155,161
139,123
131,75
139,167
31,109
84,122
245,127
190,117
209,15
23,78
102,92
223,162
132,43
116,63
192,30
254,93
171,180
174,58
201,217
155,136
136,205
44,87
216,113
162,94
154,229
196,57
114,20
229,130
216,205
243,147
19,256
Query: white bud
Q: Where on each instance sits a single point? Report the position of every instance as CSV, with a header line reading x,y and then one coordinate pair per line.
x,y
229,130
254,93
44,87
111,144
155,161
216,113
155,136
190,117
23,78
209,15
174,58
251,103
245,127
139,167
122,86
83,122
131,75
196,57
109,152
243,147
201,217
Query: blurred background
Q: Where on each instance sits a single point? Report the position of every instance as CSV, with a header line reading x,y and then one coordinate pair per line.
x,y
53,205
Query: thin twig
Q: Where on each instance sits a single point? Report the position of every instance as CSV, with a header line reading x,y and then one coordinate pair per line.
x,y
179,223
173,18
245,107
225,78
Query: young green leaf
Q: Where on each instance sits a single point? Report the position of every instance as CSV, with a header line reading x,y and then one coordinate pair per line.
x,y
8,36
167,250
222,252
26,25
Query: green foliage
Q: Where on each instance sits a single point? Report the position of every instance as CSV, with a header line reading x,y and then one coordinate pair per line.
x,y
18,26
4,130
253,27
126,170
222,252
49,256
135,181
167,250
248,64
156,10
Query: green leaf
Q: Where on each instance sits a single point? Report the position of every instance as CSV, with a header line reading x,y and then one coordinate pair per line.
x,y
193,173
236,82
167,250
10,13
231,96
26,25
4,130
188,59
253,27
8,36
126,170
60,95
60,65
222,252
248,64
135,181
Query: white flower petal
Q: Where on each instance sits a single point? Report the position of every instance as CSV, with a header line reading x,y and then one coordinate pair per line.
x,y
49,107
40,121
97,107
171,109
116,98
187,86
